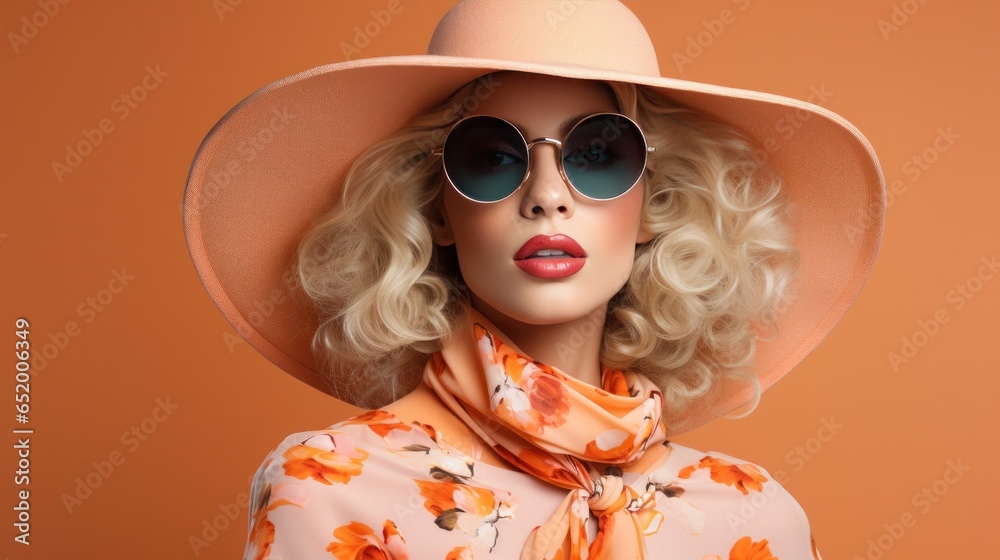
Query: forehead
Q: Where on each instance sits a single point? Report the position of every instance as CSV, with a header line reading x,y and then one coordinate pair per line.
x,y
540,105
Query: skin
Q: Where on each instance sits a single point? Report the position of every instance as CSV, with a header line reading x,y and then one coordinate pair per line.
x,y
551,320
538,315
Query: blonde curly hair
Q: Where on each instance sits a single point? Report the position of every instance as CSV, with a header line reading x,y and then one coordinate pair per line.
x,y
718,267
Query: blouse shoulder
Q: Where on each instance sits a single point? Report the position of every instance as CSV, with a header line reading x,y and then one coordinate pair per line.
x,y
312,496
375,486
721,496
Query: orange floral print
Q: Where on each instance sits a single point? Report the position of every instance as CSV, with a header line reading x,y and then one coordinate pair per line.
x,y
815,550
650,520
616,384
262,529
747,549
464,508
743,477
611,446
261,536
443,496
380,421
616,446
523,393
542,465
383,422
359,542
474,511
460,553
326,458
683,513
418,442
548,398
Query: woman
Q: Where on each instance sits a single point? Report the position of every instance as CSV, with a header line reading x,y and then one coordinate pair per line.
x,y
558,263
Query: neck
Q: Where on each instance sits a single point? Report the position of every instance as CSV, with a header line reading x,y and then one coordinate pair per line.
x,y
573,346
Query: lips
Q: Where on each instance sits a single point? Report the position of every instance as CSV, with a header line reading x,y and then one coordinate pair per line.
x,y
549,246
550,256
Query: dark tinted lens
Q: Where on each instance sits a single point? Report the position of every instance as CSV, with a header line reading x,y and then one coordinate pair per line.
x,y
485,157
604,156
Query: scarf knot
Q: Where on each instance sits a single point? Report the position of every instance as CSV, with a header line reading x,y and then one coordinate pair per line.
x,y
609,495
557,428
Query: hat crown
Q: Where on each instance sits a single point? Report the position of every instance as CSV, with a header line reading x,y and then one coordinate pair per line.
x,y
602,34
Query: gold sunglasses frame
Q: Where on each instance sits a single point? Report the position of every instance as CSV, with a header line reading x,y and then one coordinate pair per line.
x,y
439,151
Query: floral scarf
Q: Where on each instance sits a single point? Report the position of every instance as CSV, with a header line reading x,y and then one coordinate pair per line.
x,y
561,430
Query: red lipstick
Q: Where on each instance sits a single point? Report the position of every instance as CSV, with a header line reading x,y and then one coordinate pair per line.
x,y
550,256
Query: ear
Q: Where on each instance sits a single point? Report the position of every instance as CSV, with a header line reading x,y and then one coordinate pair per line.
x,y
441,229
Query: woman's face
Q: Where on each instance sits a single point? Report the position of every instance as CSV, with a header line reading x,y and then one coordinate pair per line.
x,y
492,239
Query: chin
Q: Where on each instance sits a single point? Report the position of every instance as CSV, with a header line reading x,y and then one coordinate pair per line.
x,y
546,308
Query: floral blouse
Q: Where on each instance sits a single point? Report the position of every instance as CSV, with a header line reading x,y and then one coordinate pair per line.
x,y
373,487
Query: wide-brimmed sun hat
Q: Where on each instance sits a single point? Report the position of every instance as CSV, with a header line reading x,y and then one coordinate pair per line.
x,y
276,161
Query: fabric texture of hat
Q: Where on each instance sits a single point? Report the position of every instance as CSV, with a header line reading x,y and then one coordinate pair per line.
x,y
244,216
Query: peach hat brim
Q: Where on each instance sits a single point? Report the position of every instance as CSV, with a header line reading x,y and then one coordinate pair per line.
x,y
275,161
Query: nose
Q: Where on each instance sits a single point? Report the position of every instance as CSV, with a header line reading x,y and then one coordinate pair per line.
x,y
546,193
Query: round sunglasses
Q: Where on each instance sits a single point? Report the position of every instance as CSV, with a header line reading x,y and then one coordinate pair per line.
x,y
487,158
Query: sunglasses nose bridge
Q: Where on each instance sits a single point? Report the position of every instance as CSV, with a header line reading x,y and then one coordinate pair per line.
x,y
484,133
557,148
546,140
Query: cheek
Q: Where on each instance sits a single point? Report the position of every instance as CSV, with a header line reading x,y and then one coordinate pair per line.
x,y
478,230
621,226
624,215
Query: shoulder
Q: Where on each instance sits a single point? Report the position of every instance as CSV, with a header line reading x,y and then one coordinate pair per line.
x,y
355,447
349,481
713,494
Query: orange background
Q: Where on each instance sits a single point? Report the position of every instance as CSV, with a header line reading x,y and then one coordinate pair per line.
x,y
160,337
